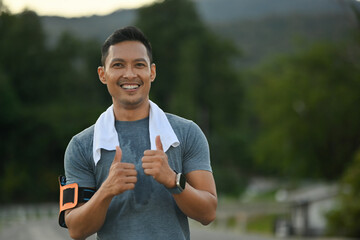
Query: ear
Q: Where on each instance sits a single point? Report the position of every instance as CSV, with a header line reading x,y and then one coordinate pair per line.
x,y
152,72
101,73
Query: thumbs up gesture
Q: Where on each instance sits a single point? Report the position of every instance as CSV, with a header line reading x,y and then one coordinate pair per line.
x,y
122,176
155,163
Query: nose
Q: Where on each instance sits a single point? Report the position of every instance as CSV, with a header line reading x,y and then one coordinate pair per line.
x,y
129,73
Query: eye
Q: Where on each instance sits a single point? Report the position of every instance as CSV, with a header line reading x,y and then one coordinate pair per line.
x,y
118,65
140,65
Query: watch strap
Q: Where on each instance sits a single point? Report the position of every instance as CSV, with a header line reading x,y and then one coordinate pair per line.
x,y
177,189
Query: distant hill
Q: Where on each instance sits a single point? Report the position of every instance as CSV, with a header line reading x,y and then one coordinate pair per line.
x,y
98,27
259,27
260,38
219,11
265,27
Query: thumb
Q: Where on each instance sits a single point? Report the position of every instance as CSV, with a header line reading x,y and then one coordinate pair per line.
x,y
158,143
118,155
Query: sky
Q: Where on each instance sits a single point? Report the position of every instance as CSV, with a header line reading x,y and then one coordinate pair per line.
x,y
73,8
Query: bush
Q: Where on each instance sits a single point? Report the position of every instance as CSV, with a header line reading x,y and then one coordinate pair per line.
x,y
344,221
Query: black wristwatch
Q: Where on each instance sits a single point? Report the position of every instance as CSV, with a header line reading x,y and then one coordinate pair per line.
x,y
180,182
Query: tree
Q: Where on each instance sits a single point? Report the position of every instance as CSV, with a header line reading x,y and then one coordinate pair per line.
x,y
306,108
46,96
3,8
23,54
344,220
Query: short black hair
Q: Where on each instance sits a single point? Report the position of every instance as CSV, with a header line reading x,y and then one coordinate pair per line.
x,y
129,33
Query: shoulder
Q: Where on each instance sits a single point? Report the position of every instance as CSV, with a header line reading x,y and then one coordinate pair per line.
x,y
181,126
78,161
194,147
184,128
175,118
179,122
85,135
82,141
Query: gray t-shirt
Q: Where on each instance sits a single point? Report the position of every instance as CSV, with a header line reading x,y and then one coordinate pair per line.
x,y
149,211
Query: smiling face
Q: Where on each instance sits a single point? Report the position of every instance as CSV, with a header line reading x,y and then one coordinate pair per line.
x,y
128,74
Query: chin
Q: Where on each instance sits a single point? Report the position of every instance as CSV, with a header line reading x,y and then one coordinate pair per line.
x,y
132,103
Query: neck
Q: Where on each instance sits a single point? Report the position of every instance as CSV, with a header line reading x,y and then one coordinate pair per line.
x,y
132,113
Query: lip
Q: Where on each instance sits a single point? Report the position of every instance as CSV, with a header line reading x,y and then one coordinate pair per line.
x,y
130,86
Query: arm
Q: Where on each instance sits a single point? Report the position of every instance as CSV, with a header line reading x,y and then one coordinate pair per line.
x,y
88,218
198,200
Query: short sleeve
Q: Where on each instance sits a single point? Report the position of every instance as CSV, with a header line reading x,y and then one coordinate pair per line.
x,y
78,167
196,154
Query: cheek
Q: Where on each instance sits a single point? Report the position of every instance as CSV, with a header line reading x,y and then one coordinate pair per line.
x,y
148,83
112,78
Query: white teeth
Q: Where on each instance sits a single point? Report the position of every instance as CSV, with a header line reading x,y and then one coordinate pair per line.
x,y
130,86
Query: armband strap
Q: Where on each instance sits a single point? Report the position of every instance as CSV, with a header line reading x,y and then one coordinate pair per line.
x,y
70,196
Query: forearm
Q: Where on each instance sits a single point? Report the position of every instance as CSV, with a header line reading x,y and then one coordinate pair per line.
x,y
88,218
199,200
197,204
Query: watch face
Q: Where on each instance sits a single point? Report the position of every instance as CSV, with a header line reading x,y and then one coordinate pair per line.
x,y
182,181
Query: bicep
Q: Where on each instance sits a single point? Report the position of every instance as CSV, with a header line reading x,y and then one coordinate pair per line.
x,y
202,180
78,168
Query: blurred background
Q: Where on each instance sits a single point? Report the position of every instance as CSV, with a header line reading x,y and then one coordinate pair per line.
x,y
274,85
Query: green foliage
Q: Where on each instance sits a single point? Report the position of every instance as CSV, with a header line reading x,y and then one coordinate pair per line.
x,y
9,102
344,221
230,181
263,224
44,101
305,112
20,59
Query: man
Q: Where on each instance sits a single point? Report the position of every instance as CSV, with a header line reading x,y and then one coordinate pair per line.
x,y
150,170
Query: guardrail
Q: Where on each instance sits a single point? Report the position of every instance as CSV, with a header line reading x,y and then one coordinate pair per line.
x,y
15,213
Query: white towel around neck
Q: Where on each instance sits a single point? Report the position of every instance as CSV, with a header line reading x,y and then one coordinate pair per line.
x,y
106,137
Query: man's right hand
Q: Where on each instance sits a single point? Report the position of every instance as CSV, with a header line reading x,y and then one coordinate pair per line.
x,y
122,176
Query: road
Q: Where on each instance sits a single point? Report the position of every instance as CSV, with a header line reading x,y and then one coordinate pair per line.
x,y
48,229
39,222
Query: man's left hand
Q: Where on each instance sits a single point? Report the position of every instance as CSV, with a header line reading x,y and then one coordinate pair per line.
x,y
155,163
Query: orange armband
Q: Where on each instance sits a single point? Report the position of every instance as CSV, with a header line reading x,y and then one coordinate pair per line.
x,y
70,196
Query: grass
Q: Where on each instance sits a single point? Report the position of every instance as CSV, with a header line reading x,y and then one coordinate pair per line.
x,y
263,224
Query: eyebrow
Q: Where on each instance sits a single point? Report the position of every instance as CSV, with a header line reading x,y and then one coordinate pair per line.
x,y
122,60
